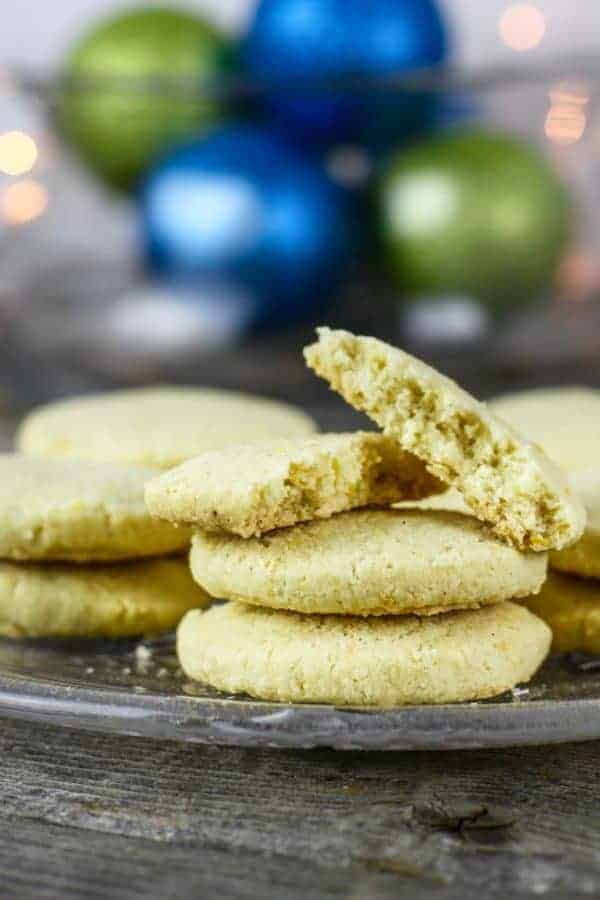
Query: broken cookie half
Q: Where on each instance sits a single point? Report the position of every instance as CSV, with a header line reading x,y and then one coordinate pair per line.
x,y
252,489
505,480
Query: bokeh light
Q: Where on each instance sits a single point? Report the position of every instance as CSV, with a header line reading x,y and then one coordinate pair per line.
x,y
566,119
18,153
522,26
23,201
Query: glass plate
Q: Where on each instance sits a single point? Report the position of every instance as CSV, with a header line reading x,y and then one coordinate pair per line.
x,y
136,688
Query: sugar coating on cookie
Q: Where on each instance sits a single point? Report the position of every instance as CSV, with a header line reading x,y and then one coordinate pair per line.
x,y
158,427
124,600
583,557
564,421
252,489
52,509
505,480
390,661
368,562
571,607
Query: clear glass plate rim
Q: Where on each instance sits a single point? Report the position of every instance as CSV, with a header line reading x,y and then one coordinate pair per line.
x,y
248,722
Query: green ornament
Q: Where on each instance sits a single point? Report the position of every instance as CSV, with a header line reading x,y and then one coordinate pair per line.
x,y
473,213
112,109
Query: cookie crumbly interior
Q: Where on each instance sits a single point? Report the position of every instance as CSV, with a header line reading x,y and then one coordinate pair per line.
x,y
506,480
256,488
379,473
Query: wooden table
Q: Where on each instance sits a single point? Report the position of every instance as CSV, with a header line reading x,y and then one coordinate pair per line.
x,y
89,816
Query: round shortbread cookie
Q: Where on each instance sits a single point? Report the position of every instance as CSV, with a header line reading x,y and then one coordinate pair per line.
x,y
391,661
146,597
54,509
368,562
256,488
583,558
506,480
158,427
571,607
564,421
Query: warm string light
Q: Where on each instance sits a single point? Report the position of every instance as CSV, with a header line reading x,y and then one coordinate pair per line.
x,y
18,153
566,119
522,26
23,201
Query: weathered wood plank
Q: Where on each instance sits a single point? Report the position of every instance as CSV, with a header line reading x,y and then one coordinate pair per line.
x,y
464,824
50,862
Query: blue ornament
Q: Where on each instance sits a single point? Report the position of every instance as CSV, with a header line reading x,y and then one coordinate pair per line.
x,y
243,208
290,42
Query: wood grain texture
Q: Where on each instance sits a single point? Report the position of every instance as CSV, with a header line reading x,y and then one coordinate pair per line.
x,y
84,815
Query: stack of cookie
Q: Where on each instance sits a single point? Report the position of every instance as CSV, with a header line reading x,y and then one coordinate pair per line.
x,y
334,596
81,556
566,423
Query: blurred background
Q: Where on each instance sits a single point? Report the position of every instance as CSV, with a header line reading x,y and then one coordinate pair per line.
x,y
185,190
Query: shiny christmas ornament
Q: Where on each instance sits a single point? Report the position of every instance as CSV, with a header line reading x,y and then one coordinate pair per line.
x,y
293,42
137,84
241,207
473,214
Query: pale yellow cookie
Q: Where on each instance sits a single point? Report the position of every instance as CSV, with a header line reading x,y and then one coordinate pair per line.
x,y
53,509
505,480
159,427
255,488
123,600
390,661
368,562
571,607
564,421
583,558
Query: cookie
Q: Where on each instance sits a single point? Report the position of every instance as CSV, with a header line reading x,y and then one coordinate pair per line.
x,y
504,479
571,607
368,562
583,558
256,488
564,421
390,661
53,509
159,427
51,600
